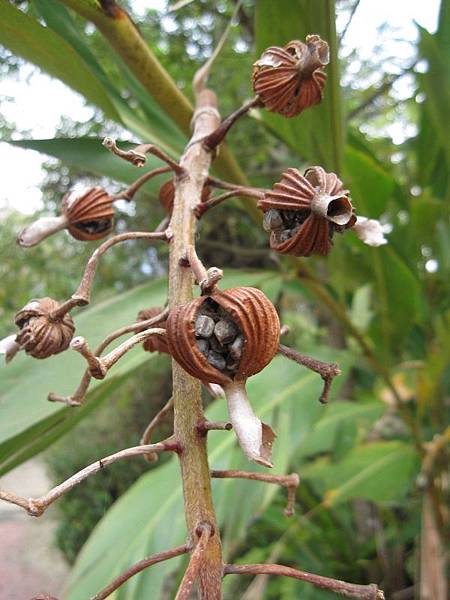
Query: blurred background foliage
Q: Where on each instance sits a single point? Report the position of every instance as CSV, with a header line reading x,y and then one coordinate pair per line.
x,y
382,313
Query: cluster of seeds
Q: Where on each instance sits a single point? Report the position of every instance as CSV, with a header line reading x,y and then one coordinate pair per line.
x,y
93,227
218,337
284,224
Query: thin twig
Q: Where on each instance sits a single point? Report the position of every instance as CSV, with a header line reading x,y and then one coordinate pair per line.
x,y
207,279
290,482
350,18
137,157
129,193
145,439
206,426
138,567
216,137
99,366
326,370
204,531
37,506
241,191
349,590
83,293
77,398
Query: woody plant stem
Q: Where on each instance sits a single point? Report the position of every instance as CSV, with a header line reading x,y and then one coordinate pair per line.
x,y
188,410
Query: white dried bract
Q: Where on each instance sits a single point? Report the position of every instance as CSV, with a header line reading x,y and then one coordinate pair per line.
x,y
9,347
369,231
255,437
41,229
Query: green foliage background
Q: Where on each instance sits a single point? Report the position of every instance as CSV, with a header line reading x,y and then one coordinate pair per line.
x,y
378,312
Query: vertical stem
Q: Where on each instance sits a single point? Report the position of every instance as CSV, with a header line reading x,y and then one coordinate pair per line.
x,y
188,407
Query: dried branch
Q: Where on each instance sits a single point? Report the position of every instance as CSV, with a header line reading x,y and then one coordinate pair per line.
x,y
207,279
136,156
216,137
326,370
290,482
83,293
138,567
129,193
37,506
204,531
241,191
206,426
145,439
349,590
77,398
99,366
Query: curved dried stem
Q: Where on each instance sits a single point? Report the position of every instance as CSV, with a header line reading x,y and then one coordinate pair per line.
x,y
216,137
37,506
83,293
238,191
204,531
77,398
99,366
207,279
130,192
136,156
291,482
138,567
328,371
145,439
349,590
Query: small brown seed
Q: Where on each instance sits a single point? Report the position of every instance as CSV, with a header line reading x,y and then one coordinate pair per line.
x,y
225,331
216,360
216,346
204,326
236,348
272,220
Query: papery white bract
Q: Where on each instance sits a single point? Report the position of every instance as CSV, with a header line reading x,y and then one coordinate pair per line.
x,y
369,231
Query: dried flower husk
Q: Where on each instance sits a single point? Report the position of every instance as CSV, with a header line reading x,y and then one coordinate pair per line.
x,y
89,213
167,195
156,343
41,334
258,323
291,78
311,207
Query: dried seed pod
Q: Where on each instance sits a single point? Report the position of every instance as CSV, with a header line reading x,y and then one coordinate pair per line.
x,y
156,343
312,207
167,195
289,79
255,340
87,214
42,333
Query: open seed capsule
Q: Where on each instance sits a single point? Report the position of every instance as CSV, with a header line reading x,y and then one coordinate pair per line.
x,y
244,340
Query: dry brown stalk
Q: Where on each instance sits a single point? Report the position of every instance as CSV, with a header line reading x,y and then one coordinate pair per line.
x,y
145,439
138,567
290,482
349,590
204,531
37,506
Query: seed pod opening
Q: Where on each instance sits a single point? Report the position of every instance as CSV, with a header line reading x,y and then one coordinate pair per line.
x,y
89,213
41,334
225,338
291,78
302,212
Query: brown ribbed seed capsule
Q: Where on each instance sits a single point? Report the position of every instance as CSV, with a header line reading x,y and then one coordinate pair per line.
x,y
289,79
156,343
89,213
167,195
41,335
244,340
304,211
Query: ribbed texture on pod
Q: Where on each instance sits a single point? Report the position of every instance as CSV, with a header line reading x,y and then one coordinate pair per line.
x,y
317,205
256,318
155,343
167,195
289,79
40,335
89,212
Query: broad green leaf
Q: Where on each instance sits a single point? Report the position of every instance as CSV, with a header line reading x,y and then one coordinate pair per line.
x,y
89,154
149,517
41,46
28,422
380,472
316,135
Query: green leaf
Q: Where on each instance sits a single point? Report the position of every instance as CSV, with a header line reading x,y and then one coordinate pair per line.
x,y
28,422
149,517
380,472
44,48
316,134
